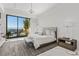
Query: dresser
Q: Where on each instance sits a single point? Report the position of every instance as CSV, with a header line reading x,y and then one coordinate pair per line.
x,y
67,43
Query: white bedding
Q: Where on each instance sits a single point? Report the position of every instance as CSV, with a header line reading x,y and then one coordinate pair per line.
x,y
42,39
58,51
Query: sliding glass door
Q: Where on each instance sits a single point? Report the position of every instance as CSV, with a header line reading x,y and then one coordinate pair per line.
x,y
16,26
11,26
21,31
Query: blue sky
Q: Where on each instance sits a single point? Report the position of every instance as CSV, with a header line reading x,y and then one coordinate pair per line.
x,y
12,22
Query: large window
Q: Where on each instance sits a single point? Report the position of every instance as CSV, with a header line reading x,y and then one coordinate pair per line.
x,y
17,26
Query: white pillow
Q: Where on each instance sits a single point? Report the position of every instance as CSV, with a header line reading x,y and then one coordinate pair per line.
x,y
47,32
52,33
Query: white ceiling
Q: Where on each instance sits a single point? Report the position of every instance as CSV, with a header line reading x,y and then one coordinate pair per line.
x,y
37,7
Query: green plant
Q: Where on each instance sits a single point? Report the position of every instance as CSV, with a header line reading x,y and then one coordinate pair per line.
x,y
26,25
8,34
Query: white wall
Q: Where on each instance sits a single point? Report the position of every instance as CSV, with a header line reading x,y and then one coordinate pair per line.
x,y
60,16
34,23
2,30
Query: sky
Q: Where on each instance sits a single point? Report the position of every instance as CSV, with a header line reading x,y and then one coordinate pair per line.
x,y
12,22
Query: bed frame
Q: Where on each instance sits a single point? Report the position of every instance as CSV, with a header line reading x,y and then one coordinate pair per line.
x,y
54,29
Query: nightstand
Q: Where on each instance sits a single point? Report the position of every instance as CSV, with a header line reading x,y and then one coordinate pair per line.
x,y
67,43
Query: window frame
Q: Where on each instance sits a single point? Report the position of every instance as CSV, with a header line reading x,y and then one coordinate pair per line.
x,y
17,25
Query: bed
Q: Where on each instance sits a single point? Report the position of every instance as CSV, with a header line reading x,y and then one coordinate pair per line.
x,y
48,35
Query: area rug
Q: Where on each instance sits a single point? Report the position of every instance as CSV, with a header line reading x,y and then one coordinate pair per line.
x,y
20,48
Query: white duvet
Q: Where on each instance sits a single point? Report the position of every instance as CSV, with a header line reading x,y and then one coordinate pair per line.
x,y
42,39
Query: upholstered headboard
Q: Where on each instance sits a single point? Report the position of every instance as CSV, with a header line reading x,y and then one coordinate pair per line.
x,y
54,29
